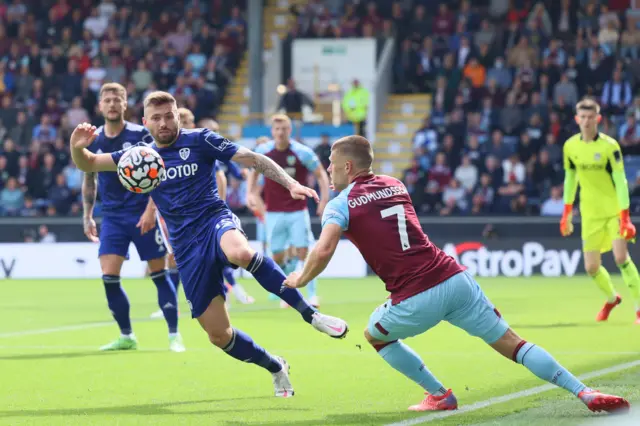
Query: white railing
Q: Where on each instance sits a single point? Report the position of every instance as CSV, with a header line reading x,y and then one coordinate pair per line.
x,y
380,88
272,75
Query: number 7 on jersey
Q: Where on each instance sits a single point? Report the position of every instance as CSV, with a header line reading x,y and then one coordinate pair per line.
x,y
398,210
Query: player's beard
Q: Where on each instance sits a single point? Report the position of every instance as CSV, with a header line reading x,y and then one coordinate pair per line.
x,y
113,118
167,137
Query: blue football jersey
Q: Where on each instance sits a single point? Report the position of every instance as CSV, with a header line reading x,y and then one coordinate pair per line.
x,y
188,196
116,199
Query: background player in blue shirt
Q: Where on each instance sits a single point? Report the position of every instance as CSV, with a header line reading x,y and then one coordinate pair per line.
x,y
204,233
126,219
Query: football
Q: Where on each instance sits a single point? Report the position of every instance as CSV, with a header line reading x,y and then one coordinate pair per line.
x,y
141,169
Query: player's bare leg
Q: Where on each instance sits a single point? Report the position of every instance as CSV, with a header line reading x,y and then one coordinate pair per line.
x,y
238,252
629,272
402,358
167,301
118,303
215,321
543,365
593,266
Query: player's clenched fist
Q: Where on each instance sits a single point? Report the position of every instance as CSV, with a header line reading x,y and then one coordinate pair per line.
x,y
627,229
566,226
83,135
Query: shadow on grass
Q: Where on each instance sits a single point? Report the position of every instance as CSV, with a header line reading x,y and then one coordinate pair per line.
x,y
160,408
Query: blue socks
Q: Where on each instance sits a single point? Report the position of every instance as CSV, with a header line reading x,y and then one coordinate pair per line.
x,y
167,299
175,278
543,365
271,277
243,348
118,302
405,360
227,273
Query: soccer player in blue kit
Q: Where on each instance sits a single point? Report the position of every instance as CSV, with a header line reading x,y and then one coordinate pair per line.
x,y
204,235
126,219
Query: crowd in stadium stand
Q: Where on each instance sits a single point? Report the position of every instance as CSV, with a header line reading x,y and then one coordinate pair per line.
x,y
504,78
55,55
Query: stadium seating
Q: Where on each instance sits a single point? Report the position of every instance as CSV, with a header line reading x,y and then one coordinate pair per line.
x,y
539,66
52,64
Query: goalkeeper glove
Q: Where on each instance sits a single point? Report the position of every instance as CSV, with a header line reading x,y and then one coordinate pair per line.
x,y
566,226
627,230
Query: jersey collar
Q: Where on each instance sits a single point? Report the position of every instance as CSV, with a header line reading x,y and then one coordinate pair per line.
x,y
598,136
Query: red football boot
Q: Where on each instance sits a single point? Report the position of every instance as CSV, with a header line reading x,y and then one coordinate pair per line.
x,y
603,315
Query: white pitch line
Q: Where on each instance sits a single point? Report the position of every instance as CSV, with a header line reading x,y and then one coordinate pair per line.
x,y
56,329
510,397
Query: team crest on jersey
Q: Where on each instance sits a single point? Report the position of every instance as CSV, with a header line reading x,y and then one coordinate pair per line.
x,y
126,145
597,156
184,153
291,160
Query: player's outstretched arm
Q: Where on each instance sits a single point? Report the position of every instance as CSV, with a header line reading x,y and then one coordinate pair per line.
x,y
319,257
83,135
263,164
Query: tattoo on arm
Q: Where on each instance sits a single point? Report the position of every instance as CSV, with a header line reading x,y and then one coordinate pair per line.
x,y
265,165
89,191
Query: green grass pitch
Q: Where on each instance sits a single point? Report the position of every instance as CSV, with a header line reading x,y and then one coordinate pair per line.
x,y
52,374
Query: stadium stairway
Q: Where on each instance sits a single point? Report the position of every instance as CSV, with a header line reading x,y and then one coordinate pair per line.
x,y
394,137
235,110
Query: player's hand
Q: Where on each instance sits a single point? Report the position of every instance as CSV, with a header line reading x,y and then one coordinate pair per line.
x,y
627,229
83,135
293,280
147,222
566,225
90,229
301,192
321,205
253,202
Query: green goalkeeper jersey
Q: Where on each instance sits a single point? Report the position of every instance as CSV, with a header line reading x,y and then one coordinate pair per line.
x,y
598,169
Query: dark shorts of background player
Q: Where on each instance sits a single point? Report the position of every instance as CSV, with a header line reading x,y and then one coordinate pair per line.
x,y
118,232
200,264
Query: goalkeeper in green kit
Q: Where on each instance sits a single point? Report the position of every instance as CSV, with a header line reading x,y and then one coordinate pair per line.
x,y
593,161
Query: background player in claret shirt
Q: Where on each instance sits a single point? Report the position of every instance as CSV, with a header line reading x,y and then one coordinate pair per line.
x,y
126,219
426,285
204,233
593,160
287,220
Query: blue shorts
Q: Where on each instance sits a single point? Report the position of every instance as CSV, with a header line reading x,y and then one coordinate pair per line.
x,y
458,300
288,229
200,263
118,232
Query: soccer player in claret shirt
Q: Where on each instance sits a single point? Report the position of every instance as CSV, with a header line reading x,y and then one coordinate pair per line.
x,y
593,160
426,285
126,219
204,233
287,220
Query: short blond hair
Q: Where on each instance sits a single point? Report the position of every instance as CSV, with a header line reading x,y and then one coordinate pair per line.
x,y
280,118
355,148
588,104
158,98
117,88
209,123
185,114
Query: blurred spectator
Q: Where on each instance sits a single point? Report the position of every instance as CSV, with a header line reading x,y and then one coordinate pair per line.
x,y
11,198
454,198
294,100
554,205
323,150
44,236
483,196
467,174
355,104
60,195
